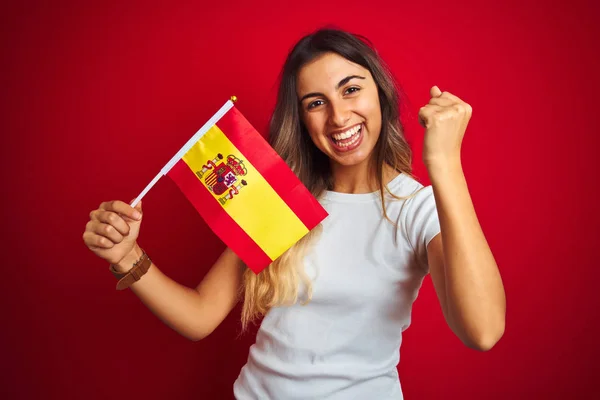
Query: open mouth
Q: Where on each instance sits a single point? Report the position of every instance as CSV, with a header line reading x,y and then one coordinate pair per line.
x,y
347,140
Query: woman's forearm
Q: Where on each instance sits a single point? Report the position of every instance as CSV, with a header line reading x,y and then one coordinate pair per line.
x,y
178,306
475,298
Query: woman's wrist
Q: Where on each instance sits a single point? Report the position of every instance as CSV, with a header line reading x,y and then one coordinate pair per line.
x,y
127,262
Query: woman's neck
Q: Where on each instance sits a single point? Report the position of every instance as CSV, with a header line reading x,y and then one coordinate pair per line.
x,y
356,179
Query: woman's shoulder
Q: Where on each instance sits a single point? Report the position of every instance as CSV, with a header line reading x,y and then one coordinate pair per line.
x,y
406,195
404,185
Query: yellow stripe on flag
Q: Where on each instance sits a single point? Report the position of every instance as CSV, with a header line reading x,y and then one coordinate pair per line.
x,y
257,205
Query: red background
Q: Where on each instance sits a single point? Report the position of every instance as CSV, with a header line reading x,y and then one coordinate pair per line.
x,y
97,98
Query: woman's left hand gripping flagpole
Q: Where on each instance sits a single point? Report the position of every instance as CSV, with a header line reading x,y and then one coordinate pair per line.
x,y
165,170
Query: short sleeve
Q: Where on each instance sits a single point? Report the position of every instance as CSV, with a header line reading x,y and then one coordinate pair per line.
x,y
421,222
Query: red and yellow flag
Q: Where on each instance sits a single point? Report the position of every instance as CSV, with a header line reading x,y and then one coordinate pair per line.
x,y
245,192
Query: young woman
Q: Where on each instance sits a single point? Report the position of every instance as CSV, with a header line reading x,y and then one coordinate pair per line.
x,y
336,303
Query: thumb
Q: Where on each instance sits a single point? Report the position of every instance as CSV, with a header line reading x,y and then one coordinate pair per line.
x,y
138,206
435,92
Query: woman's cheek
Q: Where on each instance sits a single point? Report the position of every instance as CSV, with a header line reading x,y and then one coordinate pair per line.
x,y
317,139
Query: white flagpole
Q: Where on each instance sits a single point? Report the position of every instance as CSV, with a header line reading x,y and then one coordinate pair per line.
x,y
165,170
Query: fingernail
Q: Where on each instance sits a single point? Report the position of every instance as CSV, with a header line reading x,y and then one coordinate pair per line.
x,y
137,215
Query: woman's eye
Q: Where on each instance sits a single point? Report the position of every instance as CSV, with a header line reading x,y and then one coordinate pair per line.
x,y
315,104
351,90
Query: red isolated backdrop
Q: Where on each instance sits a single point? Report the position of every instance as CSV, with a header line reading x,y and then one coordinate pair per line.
x,y
96,98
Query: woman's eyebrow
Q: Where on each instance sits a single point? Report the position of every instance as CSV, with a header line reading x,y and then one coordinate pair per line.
x,y
340,84
347,79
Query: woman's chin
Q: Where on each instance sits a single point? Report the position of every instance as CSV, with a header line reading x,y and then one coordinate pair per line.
x,y
351,159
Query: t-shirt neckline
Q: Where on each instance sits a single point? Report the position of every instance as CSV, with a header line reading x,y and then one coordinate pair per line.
x,y
361,197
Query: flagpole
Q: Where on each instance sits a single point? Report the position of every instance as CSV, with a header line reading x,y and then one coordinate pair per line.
x,y
165,170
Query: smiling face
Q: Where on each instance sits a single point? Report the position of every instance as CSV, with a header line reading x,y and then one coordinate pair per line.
x,y
340,108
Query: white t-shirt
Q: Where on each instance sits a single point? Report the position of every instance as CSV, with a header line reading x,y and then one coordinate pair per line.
x,y
344,344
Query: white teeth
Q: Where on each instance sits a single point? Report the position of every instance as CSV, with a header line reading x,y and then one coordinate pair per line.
x,y
347,134
350,143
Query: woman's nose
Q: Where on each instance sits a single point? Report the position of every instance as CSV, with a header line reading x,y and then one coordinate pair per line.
x,y
338,115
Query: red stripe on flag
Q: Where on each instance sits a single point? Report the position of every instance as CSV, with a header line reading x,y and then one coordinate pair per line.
x,y
219,221
270,165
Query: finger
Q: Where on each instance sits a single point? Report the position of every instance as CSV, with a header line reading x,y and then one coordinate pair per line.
x,y
435,92
138,208
427,112
96,241
452,97
460,105
107,231
442,101
94,214
122,208
113,219
138,205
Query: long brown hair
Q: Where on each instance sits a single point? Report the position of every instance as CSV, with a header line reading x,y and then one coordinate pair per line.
x,y
278,284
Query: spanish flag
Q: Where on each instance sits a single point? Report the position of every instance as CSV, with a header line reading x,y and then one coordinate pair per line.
x,y
244,191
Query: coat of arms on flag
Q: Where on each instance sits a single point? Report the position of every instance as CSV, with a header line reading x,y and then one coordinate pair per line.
x,y
225,176
241,187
